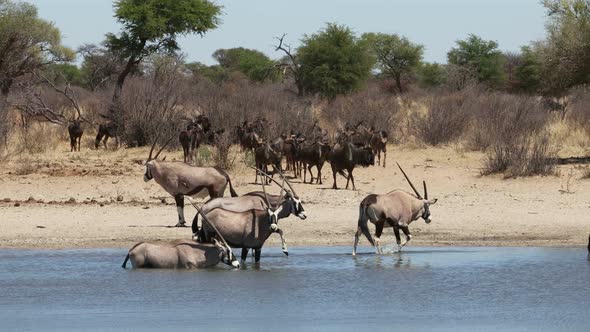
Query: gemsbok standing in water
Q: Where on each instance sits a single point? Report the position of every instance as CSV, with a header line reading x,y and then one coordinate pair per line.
x,y
395,209
180,179
257,200
251,228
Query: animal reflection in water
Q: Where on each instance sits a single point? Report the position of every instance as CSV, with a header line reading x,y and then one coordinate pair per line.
x,y
397,209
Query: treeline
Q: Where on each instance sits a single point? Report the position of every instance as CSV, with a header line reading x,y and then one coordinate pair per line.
x,y
140,80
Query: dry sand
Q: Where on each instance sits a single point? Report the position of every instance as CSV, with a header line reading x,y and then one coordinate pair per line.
x,y
472,210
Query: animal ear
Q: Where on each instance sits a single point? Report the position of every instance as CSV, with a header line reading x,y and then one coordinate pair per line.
x,y
432,201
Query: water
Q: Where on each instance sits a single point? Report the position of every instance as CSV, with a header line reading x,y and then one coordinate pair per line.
x,y
320,288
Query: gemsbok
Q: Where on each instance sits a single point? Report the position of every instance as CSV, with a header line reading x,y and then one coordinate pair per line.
x,y
395,209
257,200
180,254
249,229
180,179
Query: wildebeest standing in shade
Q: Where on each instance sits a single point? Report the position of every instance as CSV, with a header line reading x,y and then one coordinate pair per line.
x,y
379,144
106,131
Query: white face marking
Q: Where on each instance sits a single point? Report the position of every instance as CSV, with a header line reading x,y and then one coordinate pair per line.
x,y
235,264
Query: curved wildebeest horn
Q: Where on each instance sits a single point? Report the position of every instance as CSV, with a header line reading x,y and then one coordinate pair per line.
x,y
425,190
163,146
208,222
410,182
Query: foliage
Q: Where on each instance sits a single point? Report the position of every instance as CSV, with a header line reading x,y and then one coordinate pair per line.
x,y
60,73
482,56
430,75
528,71
252,63
566,54
396,57
215,73
100,66
333,61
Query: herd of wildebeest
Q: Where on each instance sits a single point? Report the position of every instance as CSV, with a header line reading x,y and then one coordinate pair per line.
x,y
247,221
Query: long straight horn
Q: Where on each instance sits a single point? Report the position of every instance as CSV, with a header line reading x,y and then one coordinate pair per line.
x,y
163,146
410,182
265,195
425,190
152,149
208,222
288,183
264,174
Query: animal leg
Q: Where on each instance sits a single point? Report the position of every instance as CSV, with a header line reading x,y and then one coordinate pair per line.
x,y
309,166
319,177
351,177
180,208
244,254
106,138
384,157
257,255
406,231
79,142
357,235
397,238
283,242
305,173
334,175
378,232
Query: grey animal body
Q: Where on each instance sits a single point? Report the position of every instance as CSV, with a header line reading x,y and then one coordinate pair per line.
x,y
314,154
179,254
180,179
378,143
75,130
346,157
106,131
396,209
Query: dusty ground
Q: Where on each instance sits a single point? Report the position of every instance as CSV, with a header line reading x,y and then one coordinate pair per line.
x,y
99,199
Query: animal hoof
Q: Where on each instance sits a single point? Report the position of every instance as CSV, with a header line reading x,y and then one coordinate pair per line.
x,y
180,225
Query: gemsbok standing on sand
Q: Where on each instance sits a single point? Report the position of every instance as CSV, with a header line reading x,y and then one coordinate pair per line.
x,y
395,209
251,228
180,179
257,200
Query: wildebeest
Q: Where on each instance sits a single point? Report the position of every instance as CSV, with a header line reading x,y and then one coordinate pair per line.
x,y
106,130
264,156
251,228
346,157
75,130
190,140
180,254
314,154
397,209
378,143
180,179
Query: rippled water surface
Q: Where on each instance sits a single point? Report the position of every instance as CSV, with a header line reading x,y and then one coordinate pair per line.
x,y
319,288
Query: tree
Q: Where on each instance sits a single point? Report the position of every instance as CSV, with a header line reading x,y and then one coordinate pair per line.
x,y
27,44
153,26
215,73
430,75
60,73
252,63
333,61
527,71
290,66
566,54
397,57
100,66
481,56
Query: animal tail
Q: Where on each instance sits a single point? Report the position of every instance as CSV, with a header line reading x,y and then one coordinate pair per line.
x,y
125,261
231,188
124,265
363,222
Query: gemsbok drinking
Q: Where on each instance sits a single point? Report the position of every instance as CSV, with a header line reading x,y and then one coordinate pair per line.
x,y
395,209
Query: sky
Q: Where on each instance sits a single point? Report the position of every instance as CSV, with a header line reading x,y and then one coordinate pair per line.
x,y
436,24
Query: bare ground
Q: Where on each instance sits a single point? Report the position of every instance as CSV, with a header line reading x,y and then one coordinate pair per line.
x,y
99,199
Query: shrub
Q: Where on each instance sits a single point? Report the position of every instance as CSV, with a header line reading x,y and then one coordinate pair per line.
x,y
445,120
